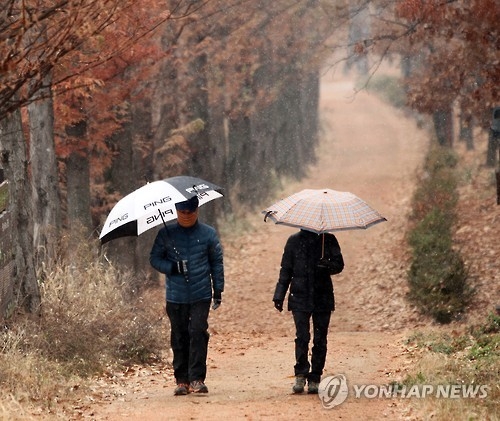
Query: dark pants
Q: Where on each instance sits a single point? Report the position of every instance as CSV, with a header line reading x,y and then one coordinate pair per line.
x,y
189,340
321,321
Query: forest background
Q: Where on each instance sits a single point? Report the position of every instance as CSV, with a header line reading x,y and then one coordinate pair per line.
x,y
99,96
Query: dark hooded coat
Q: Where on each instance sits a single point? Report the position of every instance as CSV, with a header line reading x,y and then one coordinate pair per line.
x,y
308,278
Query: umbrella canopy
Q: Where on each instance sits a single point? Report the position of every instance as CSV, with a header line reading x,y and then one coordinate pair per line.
x,y
154,204
323,211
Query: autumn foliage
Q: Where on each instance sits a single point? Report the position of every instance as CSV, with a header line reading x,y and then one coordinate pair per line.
x,y
226,90
457,46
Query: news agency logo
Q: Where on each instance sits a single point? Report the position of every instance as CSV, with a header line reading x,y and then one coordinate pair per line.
x,y
333,391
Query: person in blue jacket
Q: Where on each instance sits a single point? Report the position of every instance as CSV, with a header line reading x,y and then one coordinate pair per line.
x,y
189,253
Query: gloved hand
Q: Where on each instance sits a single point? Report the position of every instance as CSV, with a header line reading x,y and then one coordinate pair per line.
x,y
334,265
324,263
278,305
179,267
217,300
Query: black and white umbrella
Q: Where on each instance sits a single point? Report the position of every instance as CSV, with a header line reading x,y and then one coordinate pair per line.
x,y
154,204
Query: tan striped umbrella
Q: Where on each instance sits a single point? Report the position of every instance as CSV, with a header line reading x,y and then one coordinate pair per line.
x,y
323,210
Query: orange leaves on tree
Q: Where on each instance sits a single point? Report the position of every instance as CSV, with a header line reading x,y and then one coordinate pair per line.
x,y
457,45
420,10
98,80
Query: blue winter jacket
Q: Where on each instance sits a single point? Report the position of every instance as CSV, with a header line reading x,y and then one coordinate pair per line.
x,y
200,246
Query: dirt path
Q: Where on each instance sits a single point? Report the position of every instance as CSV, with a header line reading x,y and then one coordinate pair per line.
x,y
373,151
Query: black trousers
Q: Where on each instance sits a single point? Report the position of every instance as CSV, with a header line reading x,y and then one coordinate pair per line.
x,y
320,321
189,340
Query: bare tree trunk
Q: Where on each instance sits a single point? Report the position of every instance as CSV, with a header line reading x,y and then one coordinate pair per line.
x,y
121,251
237,167
359,31
78,194
78,186
494,138
129,172
290,149
218,139
15,165
493,146
309,110
45,188
466,126
443,124
142,157
203,160
497,176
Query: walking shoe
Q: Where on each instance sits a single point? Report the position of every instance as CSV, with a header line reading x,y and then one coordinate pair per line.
x,y
300,382
312,388
181,389
197,386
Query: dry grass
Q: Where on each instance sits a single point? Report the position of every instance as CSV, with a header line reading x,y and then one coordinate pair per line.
x,y
471,359
467,352
93,320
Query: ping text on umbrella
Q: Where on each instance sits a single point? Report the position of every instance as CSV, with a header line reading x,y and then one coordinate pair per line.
x,y
196,189
156,217
119,219
158,202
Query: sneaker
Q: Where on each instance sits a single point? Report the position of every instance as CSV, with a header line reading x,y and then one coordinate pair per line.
x,y
300,382
312,388
181,389
197,386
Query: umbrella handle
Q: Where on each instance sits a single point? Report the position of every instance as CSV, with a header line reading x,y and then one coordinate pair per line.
x,y
267,214
323,245
163,219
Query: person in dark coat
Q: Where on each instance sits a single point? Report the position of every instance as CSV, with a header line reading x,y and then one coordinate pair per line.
x,y
308,261
189,253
